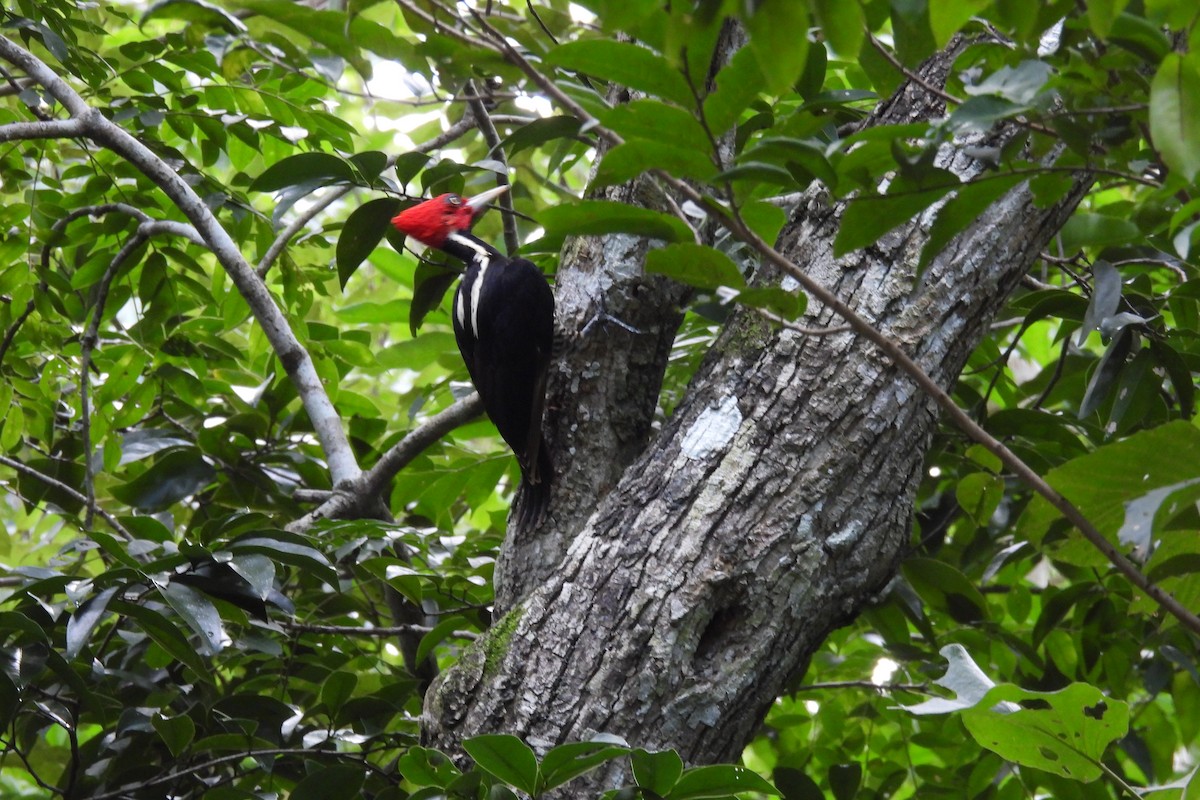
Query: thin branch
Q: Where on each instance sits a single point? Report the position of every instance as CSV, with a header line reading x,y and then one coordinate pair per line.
x,y
90,337
455,33
484,122
74,494
889,347
42,129
399,456
296,360
374,633
919,688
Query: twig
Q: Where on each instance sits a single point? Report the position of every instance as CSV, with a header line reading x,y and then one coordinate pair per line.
x,y
359,630
920,688
484,122
55,483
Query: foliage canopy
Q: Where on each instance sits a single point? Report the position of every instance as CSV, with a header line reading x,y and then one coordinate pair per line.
x,y
163,631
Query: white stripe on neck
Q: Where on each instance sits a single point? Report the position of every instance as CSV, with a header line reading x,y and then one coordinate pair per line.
x,y
483,258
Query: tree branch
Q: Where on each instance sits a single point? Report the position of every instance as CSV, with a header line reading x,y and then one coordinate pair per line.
x,y
484,122
296,361
353,497
74,494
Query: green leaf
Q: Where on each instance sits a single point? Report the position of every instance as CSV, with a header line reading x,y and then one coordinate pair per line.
x,y
979,494
418,352
968,205
943,586
696,265
765,219
507,758
1175,113
430,284
626,161
625,64
774,299
568,761
947,17
1102,14
844,780
1104,481
1064,732
719,780
599,217
166,635
86,618
1107,371
1097,230
288,548
843,24
779,40
363,231
193,11
339,780
337,688
870,217
656,772
658,122
198,612
319,169
178,474
738,84
425,767
328,28
176,732
540,131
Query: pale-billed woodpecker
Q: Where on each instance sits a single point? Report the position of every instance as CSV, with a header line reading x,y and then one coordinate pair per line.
x,y
503,317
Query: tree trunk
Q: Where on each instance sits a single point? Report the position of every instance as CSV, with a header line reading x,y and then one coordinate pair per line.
x,y
770,509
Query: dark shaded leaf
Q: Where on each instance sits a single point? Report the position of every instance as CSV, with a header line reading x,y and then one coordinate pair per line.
x,y
626,64
430,284
176,475
193,11
86,618
1106,373
339,780
304,169
539,132
363,231
198,612
176,732
695,265
568,761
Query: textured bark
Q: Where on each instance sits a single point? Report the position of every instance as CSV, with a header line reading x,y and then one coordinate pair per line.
x,y
771,508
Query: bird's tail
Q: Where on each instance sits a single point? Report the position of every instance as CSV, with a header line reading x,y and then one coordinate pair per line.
x,y
533,496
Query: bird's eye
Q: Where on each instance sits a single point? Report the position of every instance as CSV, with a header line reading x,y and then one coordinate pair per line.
x,y
454,200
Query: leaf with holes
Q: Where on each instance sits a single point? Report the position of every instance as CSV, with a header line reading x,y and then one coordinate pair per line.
x,y
1064,732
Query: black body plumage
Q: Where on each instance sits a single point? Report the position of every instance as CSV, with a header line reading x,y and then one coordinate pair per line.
x,y
503,316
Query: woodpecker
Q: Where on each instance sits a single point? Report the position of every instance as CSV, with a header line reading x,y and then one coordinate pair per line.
x,y
504,323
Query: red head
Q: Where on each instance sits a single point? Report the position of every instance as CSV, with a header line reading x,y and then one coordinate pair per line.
x,y
432,221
